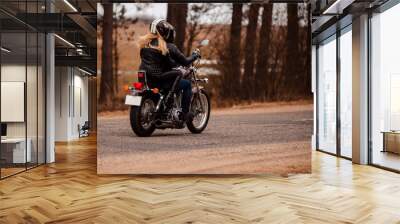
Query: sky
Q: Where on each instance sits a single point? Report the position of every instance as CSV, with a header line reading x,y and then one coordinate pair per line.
x,y
156,10
220,14
159,10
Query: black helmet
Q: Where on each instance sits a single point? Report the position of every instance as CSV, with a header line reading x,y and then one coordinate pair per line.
x,y
165,29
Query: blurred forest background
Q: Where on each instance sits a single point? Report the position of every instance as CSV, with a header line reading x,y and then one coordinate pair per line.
x,y
257,52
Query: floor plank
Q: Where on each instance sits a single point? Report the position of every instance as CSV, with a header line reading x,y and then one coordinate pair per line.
x,y
70,191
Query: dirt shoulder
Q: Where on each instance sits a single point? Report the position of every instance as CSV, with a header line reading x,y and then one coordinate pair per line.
x,y
266,107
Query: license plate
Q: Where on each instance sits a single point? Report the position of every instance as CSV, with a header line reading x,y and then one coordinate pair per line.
x,y
133,100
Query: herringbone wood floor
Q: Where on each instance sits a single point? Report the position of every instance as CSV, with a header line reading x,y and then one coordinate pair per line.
x,y
69,191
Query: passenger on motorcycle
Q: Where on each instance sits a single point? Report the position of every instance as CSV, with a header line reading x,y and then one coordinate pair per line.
x,y
160,57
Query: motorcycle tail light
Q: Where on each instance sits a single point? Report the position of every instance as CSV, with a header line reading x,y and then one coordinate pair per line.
x,y
138,85
140,75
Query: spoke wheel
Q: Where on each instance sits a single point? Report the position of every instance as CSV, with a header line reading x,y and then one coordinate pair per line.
x,y
200,108
141,118
147,110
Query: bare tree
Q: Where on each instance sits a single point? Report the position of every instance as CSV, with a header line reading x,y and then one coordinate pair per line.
x,y
176,15
234,74
107,93
249,55
305,49
194,28
118,21
262,75
307,80
276,79
293,61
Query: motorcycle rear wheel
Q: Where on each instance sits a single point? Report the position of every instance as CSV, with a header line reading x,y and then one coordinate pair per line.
x,y
140,118
202,114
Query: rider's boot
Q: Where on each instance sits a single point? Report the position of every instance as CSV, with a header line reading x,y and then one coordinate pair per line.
x,y
188,117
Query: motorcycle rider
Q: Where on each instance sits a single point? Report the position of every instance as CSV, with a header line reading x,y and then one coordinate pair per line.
x,y
159,58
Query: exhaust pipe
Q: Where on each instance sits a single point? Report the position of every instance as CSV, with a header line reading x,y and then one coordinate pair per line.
x,y
158,123
163,124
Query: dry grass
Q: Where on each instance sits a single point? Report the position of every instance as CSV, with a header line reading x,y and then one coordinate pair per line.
x,y
255,107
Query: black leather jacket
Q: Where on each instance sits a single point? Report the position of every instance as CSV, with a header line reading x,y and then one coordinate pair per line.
x,y
155,63
177,58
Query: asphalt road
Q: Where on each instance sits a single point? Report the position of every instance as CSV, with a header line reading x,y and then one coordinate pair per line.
x,y
271,139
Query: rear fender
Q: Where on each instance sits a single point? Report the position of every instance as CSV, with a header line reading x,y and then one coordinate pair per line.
x,y
147,93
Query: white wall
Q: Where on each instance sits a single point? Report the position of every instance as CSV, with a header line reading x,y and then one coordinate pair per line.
x,y
360,89
33,126
71,87
62,82
80,84
50,92
12,73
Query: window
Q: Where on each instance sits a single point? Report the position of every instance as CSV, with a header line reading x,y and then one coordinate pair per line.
x,y
22,88
327,95
346,92
385,89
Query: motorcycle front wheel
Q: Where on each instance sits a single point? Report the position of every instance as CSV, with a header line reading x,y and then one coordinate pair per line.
x,y
200,107
141,118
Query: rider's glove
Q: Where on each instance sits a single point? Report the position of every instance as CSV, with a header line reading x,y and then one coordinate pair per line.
x,y
196,53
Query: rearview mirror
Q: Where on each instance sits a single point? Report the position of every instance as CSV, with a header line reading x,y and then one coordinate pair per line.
x,y
204,42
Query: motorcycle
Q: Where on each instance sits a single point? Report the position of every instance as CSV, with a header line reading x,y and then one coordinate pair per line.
x,y
153,108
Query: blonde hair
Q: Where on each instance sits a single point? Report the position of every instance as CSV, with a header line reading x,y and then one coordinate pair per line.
x,y
145,41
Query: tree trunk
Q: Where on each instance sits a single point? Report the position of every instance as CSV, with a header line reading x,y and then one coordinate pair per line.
x,y
116,57
308,75
293,61
251,39
232,79
107,81
262,77
192,33
176,15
